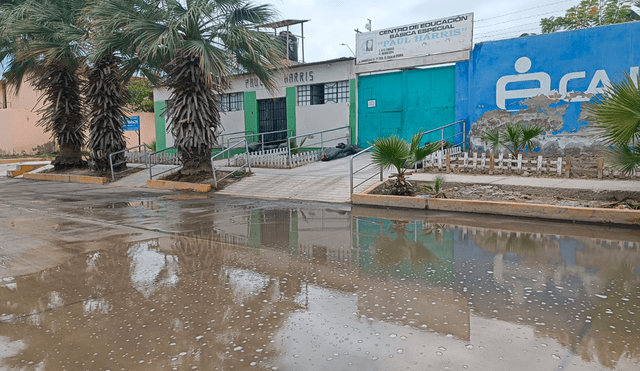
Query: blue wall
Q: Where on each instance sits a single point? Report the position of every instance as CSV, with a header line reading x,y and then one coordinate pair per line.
x,y
492,81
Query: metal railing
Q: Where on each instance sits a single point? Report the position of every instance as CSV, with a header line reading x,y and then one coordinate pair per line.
x,y
111,164
463,133
222,136
246,164
441,129
150,165
352,173
261,136
322,138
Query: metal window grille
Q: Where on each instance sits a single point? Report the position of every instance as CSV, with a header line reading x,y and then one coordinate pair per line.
x,y
304,95
232,102
311,94
317,94
336,92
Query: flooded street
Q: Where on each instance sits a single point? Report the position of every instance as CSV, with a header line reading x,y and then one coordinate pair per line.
x,y
97,278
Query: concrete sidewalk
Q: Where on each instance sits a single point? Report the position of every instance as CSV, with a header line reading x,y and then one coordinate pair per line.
x,y
329,181
319,181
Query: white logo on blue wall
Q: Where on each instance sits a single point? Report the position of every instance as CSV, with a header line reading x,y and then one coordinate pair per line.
x,y
599,80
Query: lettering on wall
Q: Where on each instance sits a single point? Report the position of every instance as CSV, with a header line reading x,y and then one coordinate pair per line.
x,y
543,83
290,79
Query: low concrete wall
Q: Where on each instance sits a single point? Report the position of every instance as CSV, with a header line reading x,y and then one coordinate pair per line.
x,y
165,184
553,212
67,178
565,213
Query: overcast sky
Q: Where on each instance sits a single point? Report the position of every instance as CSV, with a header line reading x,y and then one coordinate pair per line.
x,y
332,22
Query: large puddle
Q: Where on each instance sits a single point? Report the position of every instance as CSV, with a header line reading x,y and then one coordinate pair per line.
x,y
322,289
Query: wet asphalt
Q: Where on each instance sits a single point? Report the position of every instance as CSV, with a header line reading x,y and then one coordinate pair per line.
x,y
109,278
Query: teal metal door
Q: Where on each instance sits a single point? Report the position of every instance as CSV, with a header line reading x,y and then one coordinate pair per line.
x,y
404,102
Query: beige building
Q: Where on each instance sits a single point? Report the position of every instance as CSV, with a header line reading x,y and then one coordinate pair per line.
x,y
19,134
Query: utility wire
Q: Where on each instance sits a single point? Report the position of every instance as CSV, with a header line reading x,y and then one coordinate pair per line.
x,y
507,35
509,28
523,10
517,19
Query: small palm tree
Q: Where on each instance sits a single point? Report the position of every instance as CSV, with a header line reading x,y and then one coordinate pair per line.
x,y
515,137
616,116
394,152
44,43
435,190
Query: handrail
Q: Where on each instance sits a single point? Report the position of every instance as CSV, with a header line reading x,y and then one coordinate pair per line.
x,y
247,162
233,133
221,138
290,139
261,135
150,166
442,138
113,175
352,173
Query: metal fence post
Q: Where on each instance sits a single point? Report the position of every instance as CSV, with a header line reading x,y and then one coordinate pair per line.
x,y
464,136
113,176
351,176
246,146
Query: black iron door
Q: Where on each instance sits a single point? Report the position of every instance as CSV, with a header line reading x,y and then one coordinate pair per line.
x,y
272,116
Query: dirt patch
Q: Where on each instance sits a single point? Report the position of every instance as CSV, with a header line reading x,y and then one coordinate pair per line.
x,y
207,178
534,195
87,172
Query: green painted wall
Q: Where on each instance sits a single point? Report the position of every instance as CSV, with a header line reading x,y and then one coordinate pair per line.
x,y
352,109
291,109
161,133
250,112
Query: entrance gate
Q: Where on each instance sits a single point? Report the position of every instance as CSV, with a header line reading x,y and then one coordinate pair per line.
x,y
272,116
402,103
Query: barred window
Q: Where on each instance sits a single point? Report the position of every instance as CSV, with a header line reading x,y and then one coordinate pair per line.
x,y
232,102
333,92
336,92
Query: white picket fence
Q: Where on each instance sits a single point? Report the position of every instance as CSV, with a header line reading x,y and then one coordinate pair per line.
x,y
165,158
304,158
482,162
135,157
277,158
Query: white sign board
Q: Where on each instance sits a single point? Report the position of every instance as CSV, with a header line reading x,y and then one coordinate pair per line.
x,y
415,40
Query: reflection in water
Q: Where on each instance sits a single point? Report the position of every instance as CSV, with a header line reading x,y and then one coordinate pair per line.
x,y
318,289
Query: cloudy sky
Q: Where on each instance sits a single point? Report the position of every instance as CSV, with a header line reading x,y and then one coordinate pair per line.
x,y
332,22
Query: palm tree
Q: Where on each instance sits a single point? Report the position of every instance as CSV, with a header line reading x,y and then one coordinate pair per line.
x,y
616,116
201,43
515,137
44,43
106,97
394,152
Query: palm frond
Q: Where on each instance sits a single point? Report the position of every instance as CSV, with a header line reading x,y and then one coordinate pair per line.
x,y
616,114
389,152
624,158
492,137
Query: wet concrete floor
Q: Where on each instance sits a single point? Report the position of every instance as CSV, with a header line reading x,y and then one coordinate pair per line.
x,y
105,278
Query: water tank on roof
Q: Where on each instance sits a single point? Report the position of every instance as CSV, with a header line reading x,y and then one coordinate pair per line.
x,y
293,45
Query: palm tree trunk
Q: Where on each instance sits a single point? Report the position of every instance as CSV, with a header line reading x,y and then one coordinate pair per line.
x,y
106,97
70,156
62,112
194,113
